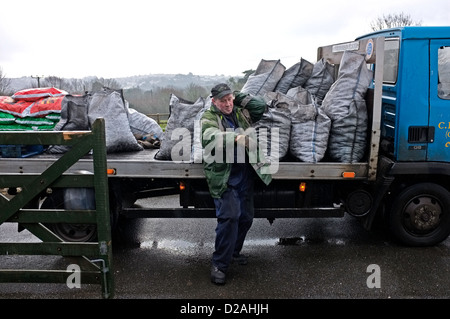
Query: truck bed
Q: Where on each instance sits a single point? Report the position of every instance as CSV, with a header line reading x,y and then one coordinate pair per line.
x,y
143,164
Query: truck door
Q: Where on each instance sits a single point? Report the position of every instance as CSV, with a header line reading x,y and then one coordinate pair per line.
x,y
439,119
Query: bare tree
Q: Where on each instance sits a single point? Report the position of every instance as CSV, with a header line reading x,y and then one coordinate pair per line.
x,y
110,83
77,86
392,21
193,91
97,84
4,84
57,82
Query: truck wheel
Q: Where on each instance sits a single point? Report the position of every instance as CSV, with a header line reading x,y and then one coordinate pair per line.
x,y
68,232
76,232
420,215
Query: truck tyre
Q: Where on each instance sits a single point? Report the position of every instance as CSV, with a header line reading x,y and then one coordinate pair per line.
x,y
68,232
420,215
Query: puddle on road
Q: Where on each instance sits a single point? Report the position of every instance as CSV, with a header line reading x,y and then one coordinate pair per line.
x,y
173,245
292,241
183,246
303,240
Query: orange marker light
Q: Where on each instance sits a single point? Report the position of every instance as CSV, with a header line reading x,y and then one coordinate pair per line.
x,y
348,174
302,187
182,186
111,171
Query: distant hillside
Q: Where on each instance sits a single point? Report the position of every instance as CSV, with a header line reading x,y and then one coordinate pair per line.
x,y
148,82
144,82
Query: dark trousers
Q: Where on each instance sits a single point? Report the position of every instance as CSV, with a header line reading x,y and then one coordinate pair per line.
x,y
234,212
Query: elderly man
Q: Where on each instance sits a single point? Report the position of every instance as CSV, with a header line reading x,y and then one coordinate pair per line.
x,y
232,159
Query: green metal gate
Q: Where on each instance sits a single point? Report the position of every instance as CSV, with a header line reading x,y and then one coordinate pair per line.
x,y
93,258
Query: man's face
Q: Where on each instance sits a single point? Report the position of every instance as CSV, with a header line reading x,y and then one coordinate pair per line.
x,y
225,104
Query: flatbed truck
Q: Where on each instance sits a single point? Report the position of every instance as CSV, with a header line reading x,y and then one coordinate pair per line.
x,y
403,180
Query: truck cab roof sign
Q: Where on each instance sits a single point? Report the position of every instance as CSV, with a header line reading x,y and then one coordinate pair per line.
x,y
349,46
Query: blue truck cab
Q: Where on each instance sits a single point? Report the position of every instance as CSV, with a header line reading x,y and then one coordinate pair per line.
x,y
415,123
413,175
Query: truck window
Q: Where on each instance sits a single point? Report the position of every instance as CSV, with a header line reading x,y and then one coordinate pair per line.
x,y
391,48
444,73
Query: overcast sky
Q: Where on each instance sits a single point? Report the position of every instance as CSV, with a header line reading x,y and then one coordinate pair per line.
x,y
111,39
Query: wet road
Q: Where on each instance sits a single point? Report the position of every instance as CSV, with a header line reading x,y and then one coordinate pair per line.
x,y
290,259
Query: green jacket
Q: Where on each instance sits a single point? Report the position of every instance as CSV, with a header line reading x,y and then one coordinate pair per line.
x,y
216,139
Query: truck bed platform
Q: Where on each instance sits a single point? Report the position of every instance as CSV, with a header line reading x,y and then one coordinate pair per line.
x,y
142,164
